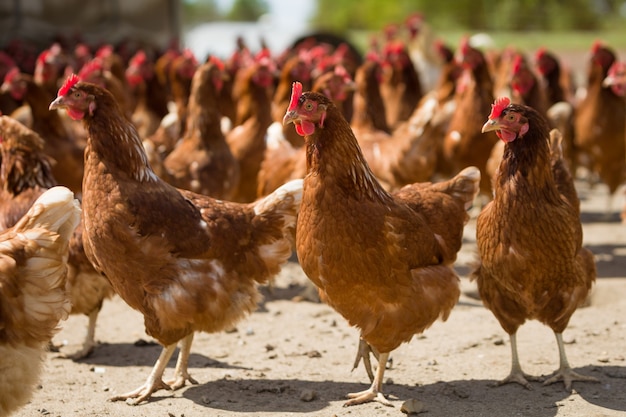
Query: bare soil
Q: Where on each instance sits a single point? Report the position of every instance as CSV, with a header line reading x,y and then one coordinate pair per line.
x,y
294,358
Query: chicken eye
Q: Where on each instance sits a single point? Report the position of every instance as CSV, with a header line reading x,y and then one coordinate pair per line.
x,y
510,117
308,106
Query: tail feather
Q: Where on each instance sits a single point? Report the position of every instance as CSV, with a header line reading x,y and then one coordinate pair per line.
x,y
466,185
285,199
33,268
55,210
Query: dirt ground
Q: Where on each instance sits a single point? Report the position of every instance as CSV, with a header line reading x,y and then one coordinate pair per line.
x,y
295,358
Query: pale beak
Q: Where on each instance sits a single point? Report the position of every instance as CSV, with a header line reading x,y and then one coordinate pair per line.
x,y
490,125
57,103
608,81
290,117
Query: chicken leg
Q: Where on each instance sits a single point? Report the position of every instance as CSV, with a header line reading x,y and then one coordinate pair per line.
x,y
154,381
89,344
180,373
375,392
517,375
565,373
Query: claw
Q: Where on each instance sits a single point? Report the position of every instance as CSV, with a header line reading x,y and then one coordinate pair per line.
x,y
142,393
519,377
567,375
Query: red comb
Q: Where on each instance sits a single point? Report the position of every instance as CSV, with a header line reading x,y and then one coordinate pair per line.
x,y
13,72
91,67
188,54
596,46
217,62
499,105
139,58
43,57
464,45
104,51
517,64
540,53
296,92
68,84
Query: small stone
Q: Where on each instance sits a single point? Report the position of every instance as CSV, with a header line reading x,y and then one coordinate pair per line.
x,y
308,395
143,343
205,399
313,354
412,407
498,342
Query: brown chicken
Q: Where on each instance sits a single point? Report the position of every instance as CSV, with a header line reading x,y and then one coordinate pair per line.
x,y
59,143
529,237
187,262
463,143
149,96
26,174
559,91
369,121
616,81
435,110
557,80
202,161
253,88
600,122
180,73
383,261
398,157
400,85
33,298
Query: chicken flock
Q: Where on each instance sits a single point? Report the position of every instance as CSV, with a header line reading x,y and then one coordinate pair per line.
x,y
198,180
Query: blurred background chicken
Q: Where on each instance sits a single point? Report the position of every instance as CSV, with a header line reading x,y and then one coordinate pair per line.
x,y
33,295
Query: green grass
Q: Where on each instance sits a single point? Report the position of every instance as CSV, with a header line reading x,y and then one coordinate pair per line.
x,y
529,41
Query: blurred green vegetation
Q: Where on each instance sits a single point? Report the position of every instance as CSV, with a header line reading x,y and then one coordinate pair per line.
x,y
200,11
247,10
474,15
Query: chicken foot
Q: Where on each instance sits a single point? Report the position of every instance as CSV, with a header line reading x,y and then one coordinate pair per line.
x,y
565,373
375,392
364,353
517,375
181,373
154,381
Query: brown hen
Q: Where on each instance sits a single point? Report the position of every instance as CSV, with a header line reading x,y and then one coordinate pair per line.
x,y
186,261
383,261
532,263
202,161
